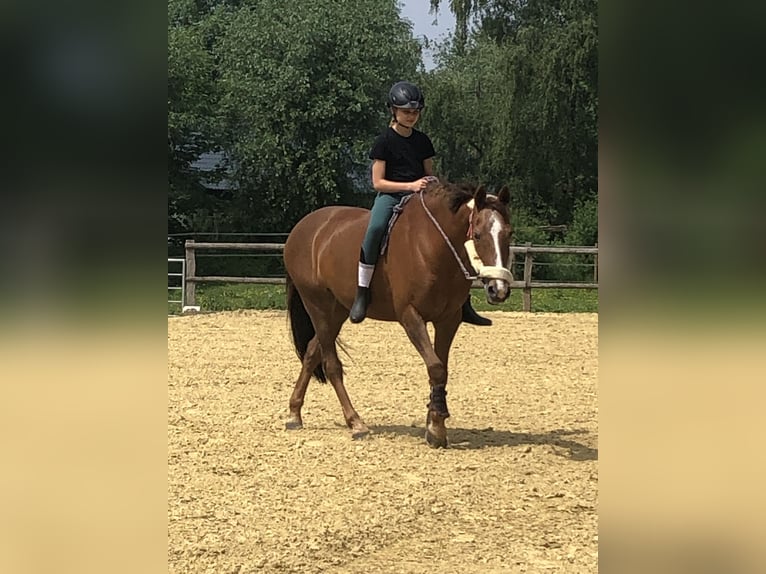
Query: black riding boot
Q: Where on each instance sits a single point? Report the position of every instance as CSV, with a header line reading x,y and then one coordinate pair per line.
x,y
359,308
471,317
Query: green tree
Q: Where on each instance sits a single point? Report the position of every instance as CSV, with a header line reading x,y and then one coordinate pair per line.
x,y
462,10
304,87
293,91
584,227
194,121
519,103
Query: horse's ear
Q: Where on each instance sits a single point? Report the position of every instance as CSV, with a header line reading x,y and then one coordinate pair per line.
x,y
504,196
480,197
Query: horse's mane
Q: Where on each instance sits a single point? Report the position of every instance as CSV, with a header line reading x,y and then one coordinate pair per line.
x,y
456,194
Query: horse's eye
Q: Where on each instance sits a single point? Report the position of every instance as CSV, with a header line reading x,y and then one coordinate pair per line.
x,y
476,236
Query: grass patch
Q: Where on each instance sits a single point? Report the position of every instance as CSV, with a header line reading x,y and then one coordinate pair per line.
x,y
543,301
230,297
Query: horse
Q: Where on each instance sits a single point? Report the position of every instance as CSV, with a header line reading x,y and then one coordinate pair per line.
x,y
424,276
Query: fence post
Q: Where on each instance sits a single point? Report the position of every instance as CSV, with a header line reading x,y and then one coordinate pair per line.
x,y
190,296
595,265
526,294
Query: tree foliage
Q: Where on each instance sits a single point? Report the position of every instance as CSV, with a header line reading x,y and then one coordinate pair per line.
x,y
298,88
519,103
292,93
193,118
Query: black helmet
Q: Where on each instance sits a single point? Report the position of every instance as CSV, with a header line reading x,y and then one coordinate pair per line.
x,y
406,95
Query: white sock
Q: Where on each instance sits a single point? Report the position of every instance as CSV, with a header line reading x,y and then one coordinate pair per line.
x,y
364,274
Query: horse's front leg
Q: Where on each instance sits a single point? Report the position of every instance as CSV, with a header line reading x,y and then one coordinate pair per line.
x,y
436,432
444,334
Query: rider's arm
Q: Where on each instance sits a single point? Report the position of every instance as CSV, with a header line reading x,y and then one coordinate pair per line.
x,y
428,166
383,185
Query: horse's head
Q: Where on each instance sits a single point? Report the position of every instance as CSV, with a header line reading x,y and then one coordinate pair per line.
x,y
491,234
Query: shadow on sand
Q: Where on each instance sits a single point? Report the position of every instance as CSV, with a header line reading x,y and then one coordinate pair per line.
x,y
469,439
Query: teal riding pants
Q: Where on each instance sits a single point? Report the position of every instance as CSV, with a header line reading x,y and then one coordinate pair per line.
x,y
382,210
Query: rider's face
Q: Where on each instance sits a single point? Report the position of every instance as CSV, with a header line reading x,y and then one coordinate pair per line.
x,y
407,118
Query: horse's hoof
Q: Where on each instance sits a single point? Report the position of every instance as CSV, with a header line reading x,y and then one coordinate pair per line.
x,y
293,425
434,441
359,434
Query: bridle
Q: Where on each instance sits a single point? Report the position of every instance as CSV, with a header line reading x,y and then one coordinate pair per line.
x,y
483,271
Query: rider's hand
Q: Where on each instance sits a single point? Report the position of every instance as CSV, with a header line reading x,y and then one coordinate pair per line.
x,y
421,183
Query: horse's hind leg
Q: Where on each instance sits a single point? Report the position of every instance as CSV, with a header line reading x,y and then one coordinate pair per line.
x,y
310,362
327,323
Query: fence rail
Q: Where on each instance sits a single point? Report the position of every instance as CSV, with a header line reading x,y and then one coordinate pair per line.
x,y
191,278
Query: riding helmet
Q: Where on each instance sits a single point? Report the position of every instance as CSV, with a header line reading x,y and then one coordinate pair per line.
x,y
406,95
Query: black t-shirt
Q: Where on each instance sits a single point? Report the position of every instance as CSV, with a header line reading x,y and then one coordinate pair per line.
x,y
403,155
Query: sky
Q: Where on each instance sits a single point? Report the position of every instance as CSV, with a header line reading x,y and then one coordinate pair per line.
x,y
433,26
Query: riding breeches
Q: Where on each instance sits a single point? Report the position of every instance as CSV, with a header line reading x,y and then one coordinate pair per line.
x,y
382,210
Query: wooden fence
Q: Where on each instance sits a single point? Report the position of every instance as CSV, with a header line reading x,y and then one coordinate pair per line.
x,y
526,285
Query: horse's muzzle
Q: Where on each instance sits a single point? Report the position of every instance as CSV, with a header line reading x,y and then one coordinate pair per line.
x,y
496,290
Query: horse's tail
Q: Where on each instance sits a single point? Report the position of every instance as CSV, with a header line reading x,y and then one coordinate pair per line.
x,y
301,326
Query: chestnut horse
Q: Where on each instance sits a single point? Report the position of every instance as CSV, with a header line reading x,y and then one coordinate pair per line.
x,y
424,275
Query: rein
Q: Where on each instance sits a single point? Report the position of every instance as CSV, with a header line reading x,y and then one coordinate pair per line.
x,y
468,276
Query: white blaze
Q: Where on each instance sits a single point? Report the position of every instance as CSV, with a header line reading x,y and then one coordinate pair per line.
x,y
494,231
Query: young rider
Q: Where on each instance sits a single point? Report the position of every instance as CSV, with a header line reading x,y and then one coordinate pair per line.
x,y
402,164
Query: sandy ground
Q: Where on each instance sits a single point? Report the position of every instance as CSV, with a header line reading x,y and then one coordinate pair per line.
x,y
515,492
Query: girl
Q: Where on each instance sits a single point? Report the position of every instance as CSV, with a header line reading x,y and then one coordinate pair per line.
x,y
402,163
